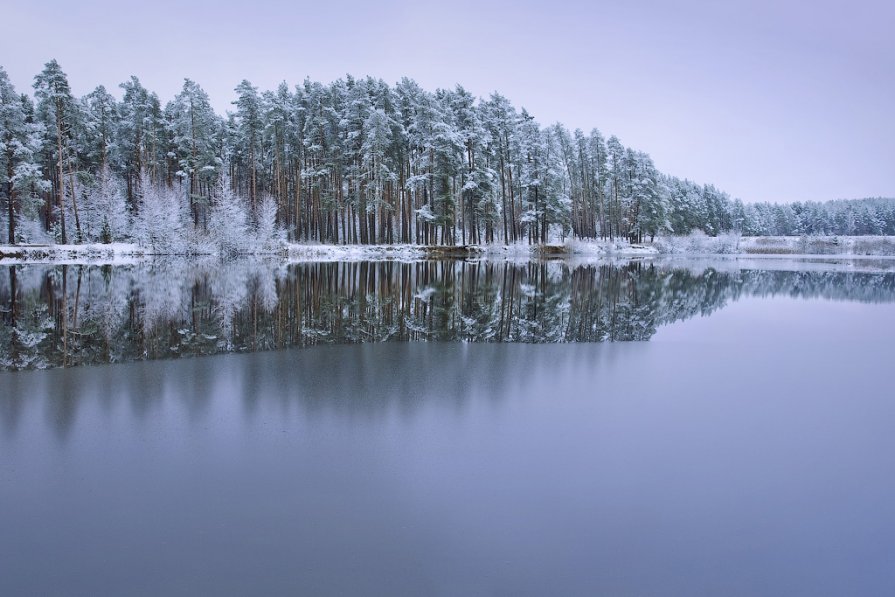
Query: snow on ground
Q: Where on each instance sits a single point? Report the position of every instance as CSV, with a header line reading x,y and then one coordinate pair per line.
x,y
100,254
819,245
502,252
609,248
318,252
699,244
578,251
771,246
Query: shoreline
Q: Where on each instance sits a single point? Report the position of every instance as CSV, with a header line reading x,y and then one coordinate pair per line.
x,y
751,248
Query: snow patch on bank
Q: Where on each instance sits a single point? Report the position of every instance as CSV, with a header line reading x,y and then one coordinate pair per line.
x,y
96,254
573,251
298,253
770,246
819,245
514,252
609,248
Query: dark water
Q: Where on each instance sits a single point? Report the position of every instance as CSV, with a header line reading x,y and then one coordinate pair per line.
x,y
745,449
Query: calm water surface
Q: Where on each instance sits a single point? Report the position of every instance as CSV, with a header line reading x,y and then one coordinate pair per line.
x,y
742,446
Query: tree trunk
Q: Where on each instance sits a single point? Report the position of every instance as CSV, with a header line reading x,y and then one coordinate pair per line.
x,y
74,204
60,188
11,199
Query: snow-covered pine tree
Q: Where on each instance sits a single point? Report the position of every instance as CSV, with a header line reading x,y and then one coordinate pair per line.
x,y
20,175
247,138
58,112
195,135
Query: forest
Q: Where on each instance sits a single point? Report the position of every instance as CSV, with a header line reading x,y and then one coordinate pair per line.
x,y
356,161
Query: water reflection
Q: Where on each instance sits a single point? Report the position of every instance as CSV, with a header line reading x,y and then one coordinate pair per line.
x,y
74,315
462,469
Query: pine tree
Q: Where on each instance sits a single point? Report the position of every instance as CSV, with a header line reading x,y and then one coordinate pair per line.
x,y
248,134
132,119
279,136
19,174
501,120
58,112
652,217
532,172
100,119
195,135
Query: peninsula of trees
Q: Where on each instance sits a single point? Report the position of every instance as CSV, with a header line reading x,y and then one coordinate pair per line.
x,y
353,162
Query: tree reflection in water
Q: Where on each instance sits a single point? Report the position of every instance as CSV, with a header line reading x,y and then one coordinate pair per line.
x,y
71,315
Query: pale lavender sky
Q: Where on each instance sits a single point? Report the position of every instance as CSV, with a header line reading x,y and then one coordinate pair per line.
x,y
770,100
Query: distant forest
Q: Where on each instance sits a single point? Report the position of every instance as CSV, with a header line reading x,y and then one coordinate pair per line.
x,y
355,162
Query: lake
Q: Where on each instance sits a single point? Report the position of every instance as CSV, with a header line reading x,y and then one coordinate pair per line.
x,y
693,427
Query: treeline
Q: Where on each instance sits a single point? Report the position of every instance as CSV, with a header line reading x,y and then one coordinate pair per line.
x,y
355,161
852,217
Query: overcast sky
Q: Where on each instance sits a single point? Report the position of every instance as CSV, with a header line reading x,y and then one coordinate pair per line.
x,y
769,100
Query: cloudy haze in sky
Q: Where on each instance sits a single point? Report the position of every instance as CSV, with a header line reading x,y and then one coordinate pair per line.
x,y
774,101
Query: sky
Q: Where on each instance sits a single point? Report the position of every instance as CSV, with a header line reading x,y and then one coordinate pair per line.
x,y
768,100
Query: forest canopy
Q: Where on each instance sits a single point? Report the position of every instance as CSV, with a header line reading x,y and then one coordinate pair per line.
x,y
356,161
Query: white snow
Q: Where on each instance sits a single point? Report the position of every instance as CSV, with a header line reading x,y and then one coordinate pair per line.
x,y
775,246
573,250
319,252
610,248
94,253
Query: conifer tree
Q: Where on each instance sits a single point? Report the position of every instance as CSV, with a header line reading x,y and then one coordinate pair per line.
x,y
58,112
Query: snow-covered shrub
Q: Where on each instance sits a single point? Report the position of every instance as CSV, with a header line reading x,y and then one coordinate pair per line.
x,y
103,212
269,237
698,242
161,224
228,223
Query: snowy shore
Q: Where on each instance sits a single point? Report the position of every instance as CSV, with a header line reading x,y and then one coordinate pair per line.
x,y
501,252
577,250
734,244
98,254
121,253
